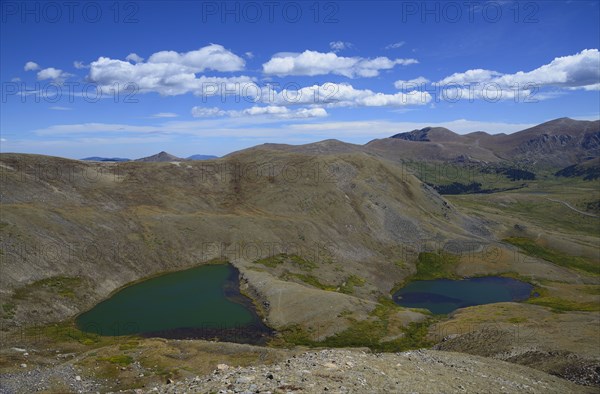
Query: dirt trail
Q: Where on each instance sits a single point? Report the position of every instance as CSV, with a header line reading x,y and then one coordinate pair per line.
x,y
566,204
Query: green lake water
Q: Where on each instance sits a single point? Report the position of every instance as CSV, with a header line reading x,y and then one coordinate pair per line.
x,y
201,302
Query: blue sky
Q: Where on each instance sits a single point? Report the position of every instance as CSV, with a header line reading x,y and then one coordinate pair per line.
x,y
129,79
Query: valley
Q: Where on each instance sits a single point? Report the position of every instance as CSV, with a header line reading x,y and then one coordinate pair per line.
x,y
322,236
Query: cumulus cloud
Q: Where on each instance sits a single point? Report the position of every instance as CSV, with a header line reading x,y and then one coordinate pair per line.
x,y
344,95
573,72
134,58
52,73
316,63
337,46
31,66
212,57
270,111
395,45
171,73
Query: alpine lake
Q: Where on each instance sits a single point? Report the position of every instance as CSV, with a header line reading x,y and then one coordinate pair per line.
x,y
203,302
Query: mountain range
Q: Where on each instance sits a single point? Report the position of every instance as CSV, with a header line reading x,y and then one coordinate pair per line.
x,y
159,157
322,235
556,144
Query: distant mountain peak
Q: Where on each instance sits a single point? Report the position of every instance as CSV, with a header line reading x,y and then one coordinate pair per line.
x,y
98,158
160,157
202,157
427,134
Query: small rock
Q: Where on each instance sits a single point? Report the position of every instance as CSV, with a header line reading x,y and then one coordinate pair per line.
x,y
222,367
169,381
244,379
78,378
23,365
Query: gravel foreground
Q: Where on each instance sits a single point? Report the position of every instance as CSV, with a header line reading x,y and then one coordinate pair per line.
x,y
328,371
345,371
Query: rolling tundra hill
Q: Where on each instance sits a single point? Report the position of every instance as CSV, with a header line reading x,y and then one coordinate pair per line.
x,y
321,234
108,224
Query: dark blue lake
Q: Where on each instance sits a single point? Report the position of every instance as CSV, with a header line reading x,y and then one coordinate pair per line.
x,y
442,296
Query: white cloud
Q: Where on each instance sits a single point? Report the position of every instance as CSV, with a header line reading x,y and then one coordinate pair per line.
x,y
52,73
344,95
2,139
134,58
270,111
337,46
249,55
395,45
211,57
80,65
15,79
578,71
284,112
31,66
58,108
573,72
203,112
165,115
316,63
171,73
400,84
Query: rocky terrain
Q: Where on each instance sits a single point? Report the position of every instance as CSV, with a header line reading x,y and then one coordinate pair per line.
x,y
343,371
319,371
